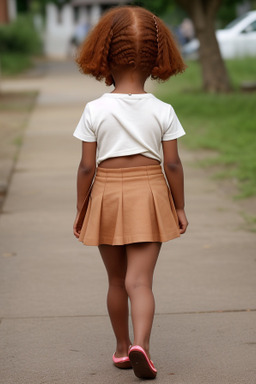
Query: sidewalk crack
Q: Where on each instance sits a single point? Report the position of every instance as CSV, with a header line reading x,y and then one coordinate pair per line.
x,y
105,315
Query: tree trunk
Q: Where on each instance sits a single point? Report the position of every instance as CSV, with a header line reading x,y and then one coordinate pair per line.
x,y
4,19
214,73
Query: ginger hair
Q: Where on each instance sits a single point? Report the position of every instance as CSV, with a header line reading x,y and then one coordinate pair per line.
x,y
130,37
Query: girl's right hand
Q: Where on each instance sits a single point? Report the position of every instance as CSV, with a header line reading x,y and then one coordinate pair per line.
x,y
75,230
183,222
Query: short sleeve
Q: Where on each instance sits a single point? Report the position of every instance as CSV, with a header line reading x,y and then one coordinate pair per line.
x,y
173,129
84,130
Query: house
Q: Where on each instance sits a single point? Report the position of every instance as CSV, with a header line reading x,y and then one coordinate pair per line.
x,y
67,26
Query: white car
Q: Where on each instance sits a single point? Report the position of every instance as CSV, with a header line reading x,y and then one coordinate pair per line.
x,y
237,39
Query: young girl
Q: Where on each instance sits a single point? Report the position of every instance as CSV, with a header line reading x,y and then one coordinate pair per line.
x,y
131,209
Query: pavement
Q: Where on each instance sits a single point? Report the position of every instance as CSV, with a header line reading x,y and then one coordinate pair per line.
x,y
54,324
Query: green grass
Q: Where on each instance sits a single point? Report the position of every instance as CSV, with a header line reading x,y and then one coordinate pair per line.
x,y
17,101
14,63
19,42
224,123
250,222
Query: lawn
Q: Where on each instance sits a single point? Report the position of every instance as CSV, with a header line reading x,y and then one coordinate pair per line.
x,y
14,63
15,108
224,123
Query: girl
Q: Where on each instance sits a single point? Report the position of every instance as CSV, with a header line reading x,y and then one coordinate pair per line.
x,y
131,210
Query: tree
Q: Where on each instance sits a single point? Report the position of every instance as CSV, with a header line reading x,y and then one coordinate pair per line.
x,y
203,14
4,17
156,6
227,12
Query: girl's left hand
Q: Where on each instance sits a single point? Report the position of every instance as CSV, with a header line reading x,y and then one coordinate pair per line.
x,y
183,222
75,230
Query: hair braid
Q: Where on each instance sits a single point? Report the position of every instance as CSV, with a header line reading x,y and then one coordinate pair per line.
x,y
169,61
157,37
123,50
104,69
130,37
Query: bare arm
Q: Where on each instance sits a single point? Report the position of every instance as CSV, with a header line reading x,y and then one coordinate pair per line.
x,y
85,175
174,174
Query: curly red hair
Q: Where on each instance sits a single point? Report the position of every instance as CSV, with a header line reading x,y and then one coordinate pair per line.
x,y
130,37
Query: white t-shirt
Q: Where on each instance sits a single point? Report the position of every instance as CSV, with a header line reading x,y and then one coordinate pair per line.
x,y
128,124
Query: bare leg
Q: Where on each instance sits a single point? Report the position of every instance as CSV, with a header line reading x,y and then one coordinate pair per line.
x,y
141,261
115,260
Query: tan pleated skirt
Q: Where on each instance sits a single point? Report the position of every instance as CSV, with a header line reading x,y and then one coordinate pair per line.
x,y
129,205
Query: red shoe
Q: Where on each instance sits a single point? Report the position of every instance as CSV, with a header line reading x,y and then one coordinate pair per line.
x,y
121,362
143,367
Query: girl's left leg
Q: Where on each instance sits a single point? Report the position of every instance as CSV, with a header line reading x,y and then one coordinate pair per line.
x,y
115,260
141,262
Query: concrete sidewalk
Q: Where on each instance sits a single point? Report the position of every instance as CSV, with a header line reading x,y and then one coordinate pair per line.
x,y
54,324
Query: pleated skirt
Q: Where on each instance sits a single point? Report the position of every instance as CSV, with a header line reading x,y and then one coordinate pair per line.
x,y
129,205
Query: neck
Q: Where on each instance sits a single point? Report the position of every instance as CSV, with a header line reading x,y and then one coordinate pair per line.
x,y
129,81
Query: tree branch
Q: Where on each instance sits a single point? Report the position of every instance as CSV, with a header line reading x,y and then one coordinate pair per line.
x,y
186,4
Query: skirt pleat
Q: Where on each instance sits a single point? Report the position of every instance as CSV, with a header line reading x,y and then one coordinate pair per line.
x,y
129,205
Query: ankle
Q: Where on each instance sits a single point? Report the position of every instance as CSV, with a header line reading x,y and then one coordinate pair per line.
x,y
122,348
145,346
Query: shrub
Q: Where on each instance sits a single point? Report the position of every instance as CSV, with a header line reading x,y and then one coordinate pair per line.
x,y
20,36
19,41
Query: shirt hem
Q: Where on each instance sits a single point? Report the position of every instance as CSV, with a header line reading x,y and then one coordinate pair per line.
x,y
129,153
174,136
85,138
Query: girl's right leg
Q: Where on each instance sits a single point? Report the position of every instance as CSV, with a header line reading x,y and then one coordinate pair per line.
x,y
141,261
114,258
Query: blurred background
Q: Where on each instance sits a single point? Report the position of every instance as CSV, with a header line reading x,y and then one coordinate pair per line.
x,y
53,313
215,97
55,28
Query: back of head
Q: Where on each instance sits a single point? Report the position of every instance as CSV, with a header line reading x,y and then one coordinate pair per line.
x,y
133,38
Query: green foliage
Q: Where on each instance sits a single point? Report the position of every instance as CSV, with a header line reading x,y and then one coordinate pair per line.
x,y
19,41
250,222
19,37
22,5
168,10
60,3
171,10
172,13
227,12
156,6
30,5
225,124
14,63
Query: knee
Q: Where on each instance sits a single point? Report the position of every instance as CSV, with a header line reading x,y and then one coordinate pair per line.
x,y
117,282
133,284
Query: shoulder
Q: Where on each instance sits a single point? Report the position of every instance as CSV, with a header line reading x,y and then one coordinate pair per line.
x,y
163,106
161,103
92,104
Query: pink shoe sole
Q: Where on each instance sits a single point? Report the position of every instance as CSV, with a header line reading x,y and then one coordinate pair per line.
x,y
142,366
121,362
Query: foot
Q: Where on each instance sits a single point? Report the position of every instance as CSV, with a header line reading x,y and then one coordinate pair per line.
x,y
143,367
121,362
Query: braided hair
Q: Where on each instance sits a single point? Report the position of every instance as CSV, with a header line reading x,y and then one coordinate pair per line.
x,y
133,38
